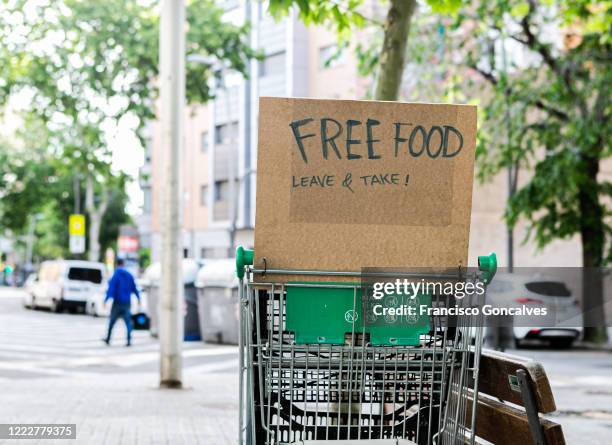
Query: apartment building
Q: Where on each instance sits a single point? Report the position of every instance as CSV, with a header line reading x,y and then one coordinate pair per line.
x,y
219,162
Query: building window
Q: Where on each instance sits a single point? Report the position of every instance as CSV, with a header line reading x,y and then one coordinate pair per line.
x,y
234,130
221,191
203,195
226,132
213,252
204,142
330,56
208,252
272,64
220,133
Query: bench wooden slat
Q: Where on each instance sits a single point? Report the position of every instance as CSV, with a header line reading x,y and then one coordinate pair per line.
x,y
506,425
495,369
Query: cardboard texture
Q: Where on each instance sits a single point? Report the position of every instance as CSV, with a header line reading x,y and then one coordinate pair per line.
x,y
343,185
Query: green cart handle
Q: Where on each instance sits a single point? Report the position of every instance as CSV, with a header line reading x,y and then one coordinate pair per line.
x,y
244,257
487,264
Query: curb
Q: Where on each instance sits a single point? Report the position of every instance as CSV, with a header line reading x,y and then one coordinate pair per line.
x,y
588,346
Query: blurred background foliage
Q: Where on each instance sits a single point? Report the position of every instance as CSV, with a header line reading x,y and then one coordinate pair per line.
x,y
81,67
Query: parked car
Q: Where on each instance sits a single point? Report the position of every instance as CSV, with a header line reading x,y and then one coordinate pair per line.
x,y
28,286
66,284
96,306
559,328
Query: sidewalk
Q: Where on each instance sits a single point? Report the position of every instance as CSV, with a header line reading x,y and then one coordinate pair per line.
x,y
54,368
127,408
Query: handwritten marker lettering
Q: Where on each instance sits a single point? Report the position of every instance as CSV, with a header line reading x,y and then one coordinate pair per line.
x,y
357,140
380,179
321,181
348,179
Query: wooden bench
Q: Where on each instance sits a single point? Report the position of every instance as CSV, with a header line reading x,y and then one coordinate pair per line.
x,y
513,392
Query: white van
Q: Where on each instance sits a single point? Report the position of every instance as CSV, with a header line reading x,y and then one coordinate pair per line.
x,y
63,284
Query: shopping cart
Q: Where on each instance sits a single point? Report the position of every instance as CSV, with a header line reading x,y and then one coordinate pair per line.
x,y
314,368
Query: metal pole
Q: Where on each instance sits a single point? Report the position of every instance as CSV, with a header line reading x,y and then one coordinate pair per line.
x,y
510,230
232,173
30,244
77,194
503,333
246,117
172,86
77,202
511,173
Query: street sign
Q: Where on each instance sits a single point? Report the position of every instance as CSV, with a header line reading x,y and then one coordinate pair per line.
x,y
76,230
77,244
127,244
76,225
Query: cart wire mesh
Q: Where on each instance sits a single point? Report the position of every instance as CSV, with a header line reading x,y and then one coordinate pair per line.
x,y
354,391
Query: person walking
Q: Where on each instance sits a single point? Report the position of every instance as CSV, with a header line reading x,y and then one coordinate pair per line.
x,y
120,289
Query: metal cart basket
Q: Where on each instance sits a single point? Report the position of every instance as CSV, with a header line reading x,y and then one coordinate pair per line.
x,y
314,368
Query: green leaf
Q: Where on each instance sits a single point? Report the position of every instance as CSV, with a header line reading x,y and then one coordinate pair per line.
x,y
445,6
520,10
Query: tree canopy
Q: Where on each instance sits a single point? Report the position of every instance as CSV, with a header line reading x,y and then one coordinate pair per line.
x,y
556,101
80,67
548,113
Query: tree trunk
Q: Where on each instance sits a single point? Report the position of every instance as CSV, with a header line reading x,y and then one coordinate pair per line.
x,y
393,54
393,62
95,218
94,236
592,236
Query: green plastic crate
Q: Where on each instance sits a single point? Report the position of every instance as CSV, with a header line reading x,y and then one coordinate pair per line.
x,y
400,330
324,315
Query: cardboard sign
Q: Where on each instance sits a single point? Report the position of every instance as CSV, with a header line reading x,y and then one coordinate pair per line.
x,y
343,185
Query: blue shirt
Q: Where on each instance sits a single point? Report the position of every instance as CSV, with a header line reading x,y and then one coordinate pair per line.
x,y
121,287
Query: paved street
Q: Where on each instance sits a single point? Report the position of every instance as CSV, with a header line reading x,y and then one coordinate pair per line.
x,y
582,386
54,368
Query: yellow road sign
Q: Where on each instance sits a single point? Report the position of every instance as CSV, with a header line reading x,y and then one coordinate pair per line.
x,y
76,225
